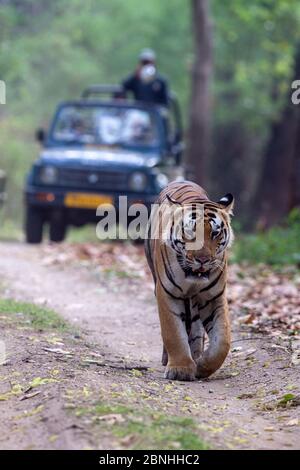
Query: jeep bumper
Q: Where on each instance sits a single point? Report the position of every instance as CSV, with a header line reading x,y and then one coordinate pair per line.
x,y
53,198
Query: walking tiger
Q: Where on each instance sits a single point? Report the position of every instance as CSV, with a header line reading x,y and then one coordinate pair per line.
x,y
190,280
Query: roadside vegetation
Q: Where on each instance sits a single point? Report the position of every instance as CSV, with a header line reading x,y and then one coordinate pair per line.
x,y
279,246
144,429
37,317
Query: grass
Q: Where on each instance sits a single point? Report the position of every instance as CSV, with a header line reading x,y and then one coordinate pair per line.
x,y
10,231
86,234
112,273
147,429
278,246
40,318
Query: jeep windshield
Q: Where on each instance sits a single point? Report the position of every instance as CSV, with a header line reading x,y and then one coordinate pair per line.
x,y
105,125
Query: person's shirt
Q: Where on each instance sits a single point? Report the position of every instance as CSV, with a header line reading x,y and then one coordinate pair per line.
x,y
155,91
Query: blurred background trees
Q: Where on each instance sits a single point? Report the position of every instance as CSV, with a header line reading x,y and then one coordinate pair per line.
x,y
50,51
198,135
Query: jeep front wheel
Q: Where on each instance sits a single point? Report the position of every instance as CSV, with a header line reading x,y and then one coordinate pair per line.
x,y
58,227
34,223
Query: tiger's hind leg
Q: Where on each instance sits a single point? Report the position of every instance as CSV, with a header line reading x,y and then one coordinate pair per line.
x,y
164,359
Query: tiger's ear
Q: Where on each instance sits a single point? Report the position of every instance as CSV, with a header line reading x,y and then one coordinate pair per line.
x,y
227,202
172,201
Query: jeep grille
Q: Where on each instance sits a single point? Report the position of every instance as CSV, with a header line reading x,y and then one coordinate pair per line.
x,y
102,180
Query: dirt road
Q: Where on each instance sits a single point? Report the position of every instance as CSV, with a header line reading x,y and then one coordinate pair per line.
x,y
114,360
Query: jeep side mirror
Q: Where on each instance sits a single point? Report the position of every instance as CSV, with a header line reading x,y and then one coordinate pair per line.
x,y
40,135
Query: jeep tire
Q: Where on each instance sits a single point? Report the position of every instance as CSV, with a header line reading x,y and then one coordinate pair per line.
x,y
57,227
34,223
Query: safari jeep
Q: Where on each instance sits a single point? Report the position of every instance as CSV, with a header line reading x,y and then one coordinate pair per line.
x,y
96,150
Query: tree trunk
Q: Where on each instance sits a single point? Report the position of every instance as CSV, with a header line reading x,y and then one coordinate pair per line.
x,y
200,102
278,191
233,155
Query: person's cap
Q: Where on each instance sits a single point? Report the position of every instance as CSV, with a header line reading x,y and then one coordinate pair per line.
x,y
147,54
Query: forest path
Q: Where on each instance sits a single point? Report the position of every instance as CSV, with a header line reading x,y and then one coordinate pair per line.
x,y
241,406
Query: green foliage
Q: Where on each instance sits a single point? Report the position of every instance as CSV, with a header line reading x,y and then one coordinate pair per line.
x,y
38,317
277,246
254,47
286,398
49,51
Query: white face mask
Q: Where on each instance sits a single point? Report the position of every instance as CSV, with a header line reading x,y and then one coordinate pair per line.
x,y
147,73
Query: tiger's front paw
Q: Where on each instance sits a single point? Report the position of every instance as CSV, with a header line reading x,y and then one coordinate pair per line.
x,y
180,373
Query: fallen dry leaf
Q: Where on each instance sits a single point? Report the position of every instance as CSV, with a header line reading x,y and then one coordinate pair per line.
x,y
112,418
57,351
293,422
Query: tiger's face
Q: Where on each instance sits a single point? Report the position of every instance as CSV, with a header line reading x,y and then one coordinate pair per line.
x,y
199,257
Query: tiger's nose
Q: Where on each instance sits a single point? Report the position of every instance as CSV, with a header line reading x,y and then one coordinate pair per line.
x,y
202,259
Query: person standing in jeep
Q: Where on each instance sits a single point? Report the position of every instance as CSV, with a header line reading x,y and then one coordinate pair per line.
x,y
145,83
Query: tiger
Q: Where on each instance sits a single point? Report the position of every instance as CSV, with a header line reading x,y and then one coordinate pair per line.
x,y
190,281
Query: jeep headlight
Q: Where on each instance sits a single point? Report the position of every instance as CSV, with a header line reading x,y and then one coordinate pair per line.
x,y
162,180
138,181
48,175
